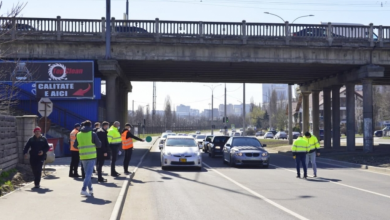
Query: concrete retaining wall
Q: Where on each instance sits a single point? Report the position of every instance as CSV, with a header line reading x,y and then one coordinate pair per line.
x,y
8,142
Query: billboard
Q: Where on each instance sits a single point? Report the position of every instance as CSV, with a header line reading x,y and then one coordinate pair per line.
x,y
55,79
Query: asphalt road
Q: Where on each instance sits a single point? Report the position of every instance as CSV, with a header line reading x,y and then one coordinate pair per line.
x,y
223,192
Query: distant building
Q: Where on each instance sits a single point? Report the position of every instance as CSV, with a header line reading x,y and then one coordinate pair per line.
x,y
207,114
229,109
281,90
183,110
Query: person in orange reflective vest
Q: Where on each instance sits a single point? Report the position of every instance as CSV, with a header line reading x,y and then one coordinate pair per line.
x,y
75,157
127,146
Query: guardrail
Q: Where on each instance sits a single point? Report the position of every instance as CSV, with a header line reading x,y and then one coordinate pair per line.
x,y
160,29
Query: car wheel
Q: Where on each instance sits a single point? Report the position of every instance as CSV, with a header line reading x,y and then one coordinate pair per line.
x,y
231,163
199,168
163,168
266,166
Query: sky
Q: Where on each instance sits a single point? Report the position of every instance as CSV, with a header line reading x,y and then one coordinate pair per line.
x,y
195,94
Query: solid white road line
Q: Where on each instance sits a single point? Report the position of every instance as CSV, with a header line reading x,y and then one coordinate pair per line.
x,y
341,184
258,195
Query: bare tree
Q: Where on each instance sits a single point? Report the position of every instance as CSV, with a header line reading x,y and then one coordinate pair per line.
x,y
10,78
168,117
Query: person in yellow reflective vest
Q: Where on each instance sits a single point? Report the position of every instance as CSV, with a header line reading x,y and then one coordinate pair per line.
x,y
87,141
115,142
314,150
299,149
75,157
127,146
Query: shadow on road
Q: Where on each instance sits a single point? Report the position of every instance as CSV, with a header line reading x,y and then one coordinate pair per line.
x,y
96,201
40,190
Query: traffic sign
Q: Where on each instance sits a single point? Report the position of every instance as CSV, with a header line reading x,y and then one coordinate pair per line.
x,y
45,107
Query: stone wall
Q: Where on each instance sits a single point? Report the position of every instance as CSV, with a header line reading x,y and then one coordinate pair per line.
x,y
8,142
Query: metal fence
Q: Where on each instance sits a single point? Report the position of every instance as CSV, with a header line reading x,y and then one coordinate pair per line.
x,y
156,28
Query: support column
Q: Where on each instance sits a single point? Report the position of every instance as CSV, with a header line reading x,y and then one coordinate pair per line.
x,y
327,118
316,112
336,115
290,137
306,112
367,115
126,107
350,99
111,103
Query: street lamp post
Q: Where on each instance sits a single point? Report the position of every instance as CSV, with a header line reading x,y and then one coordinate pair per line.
x,y
303,16
212,87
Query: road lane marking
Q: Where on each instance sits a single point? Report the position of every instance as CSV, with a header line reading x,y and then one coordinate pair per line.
x,y
258,195
341,184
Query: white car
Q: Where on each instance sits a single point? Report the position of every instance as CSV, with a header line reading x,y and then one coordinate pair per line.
x,y
268,135
180,151
199,140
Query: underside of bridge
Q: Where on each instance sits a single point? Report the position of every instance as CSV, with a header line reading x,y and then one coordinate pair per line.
x,y
235,72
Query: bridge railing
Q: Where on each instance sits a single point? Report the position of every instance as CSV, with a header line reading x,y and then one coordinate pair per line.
x,y
156,28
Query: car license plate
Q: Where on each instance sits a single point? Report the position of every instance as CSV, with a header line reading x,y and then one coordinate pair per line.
x,y
183,160
264,158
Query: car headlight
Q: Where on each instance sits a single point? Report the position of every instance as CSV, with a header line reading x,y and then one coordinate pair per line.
x,y
264,154
217,147
239,154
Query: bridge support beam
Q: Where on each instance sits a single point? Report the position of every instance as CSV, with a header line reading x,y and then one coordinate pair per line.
x,y
336,115
350,87
316,112
117,87
306,112
368,141
327,118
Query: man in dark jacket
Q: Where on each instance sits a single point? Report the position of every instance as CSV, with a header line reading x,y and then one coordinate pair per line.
x,y
39,148
102,152
97,126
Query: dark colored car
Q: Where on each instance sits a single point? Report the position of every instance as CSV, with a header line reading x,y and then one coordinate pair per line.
x,y
18,27
321,138
378,133
311,32
273,132
130,29
216,144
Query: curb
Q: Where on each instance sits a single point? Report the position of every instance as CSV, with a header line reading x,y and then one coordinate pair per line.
x,y
120,202
343,164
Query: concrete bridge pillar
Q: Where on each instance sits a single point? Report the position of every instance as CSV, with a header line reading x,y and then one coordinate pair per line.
x,y
336,115
367,116
117,87
350,89
327,118
306,111
316,112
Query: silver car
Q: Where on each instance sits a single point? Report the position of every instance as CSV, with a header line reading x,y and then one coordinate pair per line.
x,y
245,151
281,135
180,151
268,135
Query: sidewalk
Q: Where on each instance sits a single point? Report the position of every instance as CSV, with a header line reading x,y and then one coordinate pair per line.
x,y
59,197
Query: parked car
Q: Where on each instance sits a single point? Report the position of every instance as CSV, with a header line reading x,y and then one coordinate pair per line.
x,y
280,135
295,134
180,151
199,140
259,133
378,133
216,144
50,155
235,134
245,151
192,135
197,132
206,141
273,132
321,137
268,135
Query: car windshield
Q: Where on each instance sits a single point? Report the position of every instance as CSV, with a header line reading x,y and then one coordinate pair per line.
x,y
200,137
165,136
209,137
246,142
180,142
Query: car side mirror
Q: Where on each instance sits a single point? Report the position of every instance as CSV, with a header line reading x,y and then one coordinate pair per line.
x,y
227,145
264,145
161,146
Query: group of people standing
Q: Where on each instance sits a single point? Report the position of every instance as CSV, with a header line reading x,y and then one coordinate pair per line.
x,y
91,147
305,149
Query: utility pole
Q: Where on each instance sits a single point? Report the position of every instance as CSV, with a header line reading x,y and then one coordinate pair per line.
x,y
212,105
225,114
108,29
154,99
243,112
133,111
127,9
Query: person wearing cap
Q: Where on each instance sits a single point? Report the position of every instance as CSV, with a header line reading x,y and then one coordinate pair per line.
x,y
39,147
314,151
87,141
74,152
102,151
127,146
115,142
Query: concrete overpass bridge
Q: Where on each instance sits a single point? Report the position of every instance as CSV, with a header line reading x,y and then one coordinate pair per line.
x,y
317,57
